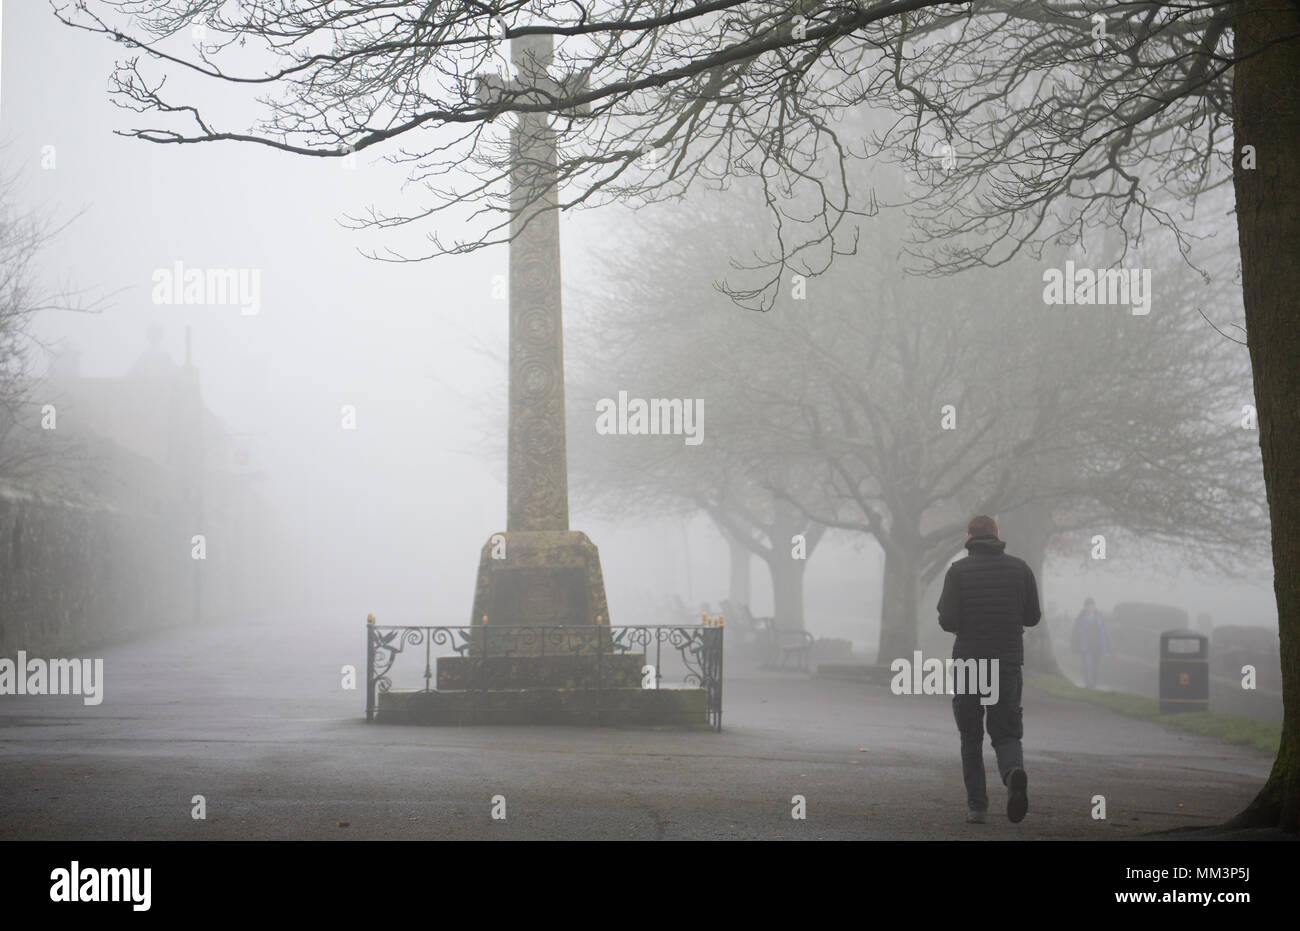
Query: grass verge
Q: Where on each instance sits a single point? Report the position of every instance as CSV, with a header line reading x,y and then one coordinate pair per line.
x,y
1264,736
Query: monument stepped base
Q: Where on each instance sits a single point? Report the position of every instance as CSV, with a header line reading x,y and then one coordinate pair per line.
x,y
566,671
614,706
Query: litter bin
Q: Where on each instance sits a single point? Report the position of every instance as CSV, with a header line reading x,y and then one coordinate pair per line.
x,y
1184,671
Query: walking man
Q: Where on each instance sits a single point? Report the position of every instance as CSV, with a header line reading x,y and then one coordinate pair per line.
x,y
988,599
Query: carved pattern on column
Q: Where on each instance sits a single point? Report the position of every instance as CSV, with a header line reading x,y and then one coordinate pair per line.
x,y
537,470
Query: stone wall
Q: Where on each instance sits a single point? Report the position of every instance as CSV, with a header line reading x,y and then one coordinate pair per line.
x,y
78,573
76,576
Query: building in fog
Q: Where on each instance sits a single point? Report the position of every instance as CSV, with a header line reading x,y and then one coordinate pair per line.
x,y
145,516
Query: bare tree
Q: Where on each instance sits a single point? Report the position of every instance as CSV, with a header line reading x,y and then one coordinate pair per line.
x,y
1057,126
897,410
33,454
654,326
952,404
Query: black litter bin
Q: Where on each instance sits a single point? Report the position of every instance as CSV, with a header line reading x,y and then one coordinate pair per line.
x,y
1184,671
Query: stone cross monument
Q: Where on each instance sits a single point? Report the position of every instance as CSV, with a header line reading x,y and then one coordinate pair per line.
x,y
538,571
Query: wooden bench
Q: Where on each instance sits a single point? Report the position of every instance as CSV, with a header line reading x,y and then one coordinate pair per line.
x,y
779,649
786,647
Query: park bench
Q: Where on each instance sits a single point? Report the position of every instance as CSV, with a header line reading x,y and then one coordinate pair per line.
x,y
780,649
786,648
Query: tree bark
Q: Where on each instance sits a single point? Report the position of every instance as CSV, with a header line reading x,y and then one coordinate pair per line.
x,y
1028,531
787,571
900,597
787,590
1266,115
738,582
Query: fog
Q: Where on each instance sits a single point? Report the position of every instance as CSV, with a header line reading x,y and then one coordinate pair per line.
x,y
357,441
392,514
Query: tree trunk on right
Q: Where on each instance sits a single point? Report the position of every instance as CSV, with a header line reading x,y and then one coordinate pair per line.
x,y
738,583
899,602
787,590
1028,531
1266,116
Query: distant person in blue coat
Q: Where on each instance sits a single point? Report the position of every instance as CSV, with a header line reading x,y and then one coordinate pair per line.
x,y
1091,641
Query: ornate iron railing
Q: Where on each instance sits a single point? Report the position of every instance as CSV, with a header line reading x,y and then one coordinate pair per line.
x,y
480,658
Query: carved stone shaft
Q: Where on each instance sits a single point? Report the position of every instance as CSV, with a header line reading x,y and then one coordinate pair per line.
x,y
537,482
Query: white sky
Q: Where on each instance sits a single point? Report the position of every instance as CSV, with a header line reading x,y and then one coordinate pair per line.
x,y
397,510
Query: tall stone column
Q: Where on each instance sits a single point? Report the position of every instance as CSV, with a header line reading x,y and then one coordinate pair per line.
x,y
539,572
537,481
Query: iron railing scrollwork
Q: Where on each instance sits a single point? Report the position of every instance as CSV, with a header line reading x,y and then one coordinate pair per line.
x,y
480,656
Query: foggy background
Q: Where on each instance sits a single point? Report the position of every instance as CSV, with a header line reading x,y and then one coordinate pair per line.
x,y
387,518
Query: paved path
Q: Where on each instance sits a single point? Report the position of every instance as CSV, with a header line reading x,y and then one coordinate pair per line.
x,y
254,719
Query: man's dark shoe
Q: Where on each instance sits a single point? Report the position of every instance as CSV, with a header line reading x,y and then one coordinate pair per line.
x,y
1017,795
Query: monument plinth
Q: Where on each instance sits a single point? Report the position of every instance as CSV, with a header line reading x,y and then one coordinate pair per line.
x,y
543,577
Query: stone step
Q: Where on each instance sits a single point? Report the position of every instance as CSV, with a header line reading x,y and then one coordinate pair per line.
x,y
564,671
680,707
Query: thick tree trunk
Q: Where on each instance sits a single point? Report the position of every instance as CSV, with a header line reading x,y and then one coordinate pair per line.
x,y
1266,115
1027,531
900,597
738,583
787,590
786,570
